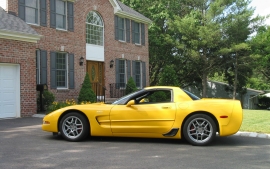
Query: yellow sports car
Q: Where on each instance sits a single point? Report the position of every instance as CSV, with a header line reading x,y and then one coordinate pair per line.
x,y
153,112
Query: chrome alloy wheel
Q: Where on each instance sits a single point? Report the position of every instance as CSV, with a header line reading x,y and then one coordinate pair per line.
x,y
72,127
200,130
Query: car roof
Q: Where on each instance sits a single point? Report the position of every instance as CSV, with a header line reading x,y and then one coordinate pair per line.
x,y
161,87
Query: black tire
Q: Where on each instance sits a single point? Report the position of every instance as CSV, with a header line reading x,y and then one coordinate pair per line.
x,y
74,127
199,129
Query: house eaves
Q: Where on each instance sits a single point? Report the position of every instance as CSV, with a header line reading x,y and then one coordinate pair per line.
x,y
12,27
124,11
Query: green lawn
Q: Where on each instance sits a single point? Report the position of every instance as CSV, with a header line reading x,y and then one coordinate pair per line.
x,y
256,121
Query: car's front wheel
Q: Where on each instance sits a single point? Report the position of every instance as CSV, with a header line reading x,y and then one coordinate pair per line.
x,y
199,129
74,127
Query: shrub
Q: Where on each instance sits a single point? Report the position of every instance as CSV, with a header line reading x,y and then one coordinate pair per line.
x,y
86,93
131,86
58,105
47,99
263,102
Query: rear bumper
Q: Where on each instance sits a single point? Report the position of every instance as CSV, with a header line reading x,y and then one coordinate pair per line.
x,y
235,121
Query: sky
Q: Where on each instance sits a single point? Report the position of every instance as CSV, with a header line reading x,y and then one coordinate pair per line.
x,y
260,5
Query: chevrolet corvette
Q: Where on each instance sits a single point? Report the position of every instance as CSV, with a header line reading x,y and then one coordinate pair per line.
x,y
152,112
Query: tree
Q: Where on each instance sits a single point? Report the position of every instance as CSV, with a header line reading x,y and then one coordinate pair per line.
x,y
261,53
86,93
131,86
164,47
199,38
168,77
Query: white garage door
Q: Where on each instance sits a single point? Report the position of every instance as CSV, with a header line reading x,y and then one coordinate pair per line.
x,y
9,91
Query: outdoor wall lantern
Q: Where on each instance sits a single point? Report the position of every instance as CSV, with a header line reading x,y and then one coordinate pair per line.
x,y
81,61
111,63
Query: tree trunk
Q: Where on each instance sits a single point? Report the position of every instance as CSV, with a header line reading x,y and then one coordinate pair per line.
x,y
235,77
204,84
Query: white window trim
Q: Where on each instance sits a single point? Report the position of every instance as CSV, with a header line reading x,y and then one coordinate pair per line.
x,y
67,75
38,15
125,28
139,87
66,25
125,79
103,34
140,34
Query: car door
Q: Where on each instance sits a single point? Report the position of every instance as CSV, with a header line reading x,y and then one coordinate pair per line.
x,y
143,116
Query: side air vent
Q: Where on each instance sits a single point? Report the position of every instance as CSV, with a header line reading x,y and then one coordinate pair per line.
x,y
171,133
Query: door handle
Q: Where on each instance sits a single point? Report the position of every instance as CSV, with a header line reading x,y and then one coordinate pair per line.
x,y
166,107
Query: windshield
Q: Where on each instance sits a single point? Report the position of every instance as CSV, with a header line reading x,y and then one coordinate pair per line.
x,y
123,99
191,95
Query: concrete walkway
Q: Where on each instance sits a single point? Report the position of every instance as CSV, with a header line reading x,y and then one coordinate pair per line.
x,y
239,133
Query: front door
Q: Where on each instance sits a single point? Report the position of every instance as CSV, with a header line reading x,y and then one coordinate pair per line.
x,y
143,118
96,75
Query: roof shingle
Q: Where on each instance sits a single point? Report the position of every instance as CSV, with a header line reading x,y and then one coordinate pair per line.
x,y
13,23
131,11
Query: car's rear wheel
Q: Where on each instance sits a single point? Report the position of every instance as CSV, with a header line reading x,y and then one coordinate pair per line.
x,y
74,127
199,129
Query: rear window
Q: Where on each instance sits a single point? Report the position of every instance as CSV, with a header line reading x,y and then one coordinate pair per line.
x,y
191,95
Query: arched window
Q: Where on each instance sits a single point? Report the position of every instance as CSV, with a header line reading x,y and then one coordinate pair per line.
x,y
94,29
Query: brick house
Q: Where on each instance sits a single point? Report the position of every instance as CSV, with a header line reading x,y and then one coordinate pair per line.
x,y
105,38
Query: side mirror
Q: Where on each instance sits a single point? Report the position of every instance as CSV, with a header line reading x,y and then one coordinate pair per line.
x,y
130,103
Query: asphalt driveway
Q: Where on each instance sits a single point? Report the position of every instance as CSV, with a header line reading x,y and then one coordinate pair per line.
x,y
24,145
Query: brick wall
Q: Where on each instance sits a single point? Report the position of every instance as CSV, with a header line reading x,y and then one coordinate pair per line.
x,y
23,53
74,42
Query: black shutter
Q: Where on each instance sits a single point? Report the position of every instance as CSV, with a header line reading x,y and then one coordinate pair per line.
x,y
143,34
52,14
133,31
127,30
70,16
143,75
117,77
21,10
134,70
71,71
116,27
53,70
43,12
128,69
43,67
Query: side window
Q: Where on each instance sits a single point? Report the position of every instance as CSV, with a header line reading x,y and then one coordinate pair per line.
x,y
62,70
156,96
138,33
60,13
33,11
123,72
122,29
139,73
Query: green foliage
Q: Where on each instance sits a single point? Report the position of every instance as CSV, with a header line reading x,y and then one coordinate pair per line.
x,y
199,38
86,92
47,99
261,54
131,86
160,96
168,77
58,105
263,102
